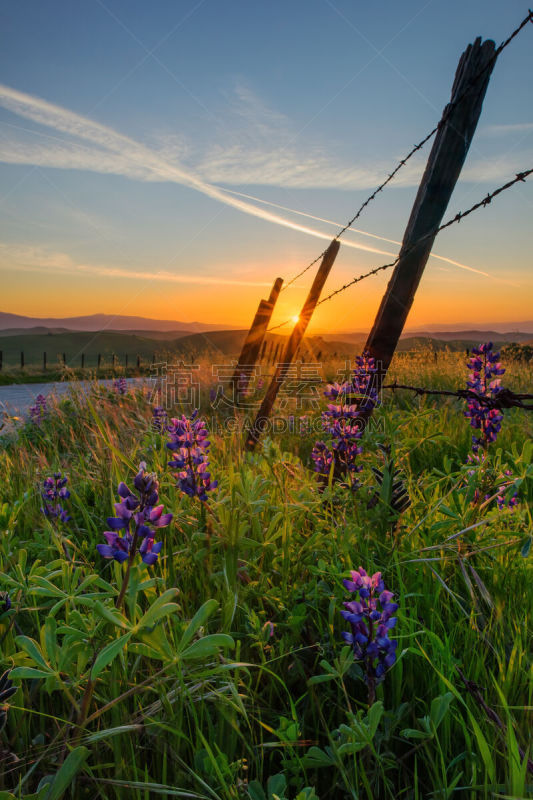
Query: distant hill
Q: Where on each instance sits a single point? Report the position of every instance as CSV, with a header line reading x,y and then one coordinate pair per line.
x,y
98,322
471,337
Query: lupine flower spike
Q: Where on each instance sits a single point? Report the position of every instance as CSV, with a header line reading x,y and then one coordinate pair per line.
x,y
120,386
138,517
342,422
190,455
484,380
159,419
371,618
55,490
38,411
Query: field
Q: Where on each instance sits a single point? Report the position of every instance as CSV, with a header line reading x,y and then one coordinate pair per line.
x,y
220,671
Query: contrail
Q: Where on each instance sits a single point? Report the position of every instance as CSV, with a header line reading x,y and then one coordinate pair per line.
x,y
59,118
339,225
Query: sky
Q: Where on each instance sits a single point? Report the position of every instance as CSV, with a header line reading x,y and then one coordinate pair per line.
x,y
171,159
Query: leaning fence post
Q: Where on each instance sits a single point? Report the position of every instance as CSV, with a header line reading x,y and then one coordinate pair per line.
x,y
444,165
254,340
292,345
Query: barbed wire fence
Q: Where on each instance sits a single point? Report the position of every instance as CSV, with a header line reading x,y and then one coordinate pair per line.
x,y
454,134
444,119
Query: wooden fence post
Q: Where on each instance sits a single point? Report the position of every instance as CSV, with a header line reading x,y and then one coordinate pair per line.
x,y
254,340
138,361
99,360
22,359
64,359
1,359
44,362
442,171
83,360
293,344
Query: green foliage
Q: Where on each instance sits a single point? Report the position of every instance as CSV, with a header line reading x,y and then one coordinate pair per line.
x,y
223,674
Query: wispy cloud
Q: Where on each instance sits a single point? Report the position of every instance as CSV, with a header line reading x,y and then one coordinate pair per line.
x,y
262,153
505,130
40,259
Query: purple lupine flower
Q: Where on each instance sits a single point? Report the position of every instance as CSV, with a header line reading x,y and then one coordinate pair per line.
x,y
190,455
38,411
342,421
120,386
322,457
138,515
485,368
371,619
159,419
55,490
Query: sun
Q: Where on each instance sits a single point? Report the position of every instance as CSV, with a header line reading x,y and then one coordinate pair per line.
x,y
296,318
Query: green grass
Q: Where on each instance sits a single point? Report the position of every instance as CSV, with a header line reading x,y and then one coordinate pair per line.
x,y
225,676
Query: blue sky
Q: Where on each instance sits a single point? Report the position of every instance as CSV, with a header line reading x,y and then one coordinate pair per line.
x,y
123,123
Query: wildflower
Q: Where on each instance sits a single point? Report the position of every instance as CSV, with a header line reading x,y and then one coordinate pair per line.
x,y
484,381
159,418
38,411
371,618
120,386
342,421
138,515
190,455
55,490
322,457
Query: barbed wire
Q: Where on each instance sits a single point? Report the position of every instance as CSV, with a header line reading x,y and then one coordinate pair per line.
x,y
520,177
505,398
445,117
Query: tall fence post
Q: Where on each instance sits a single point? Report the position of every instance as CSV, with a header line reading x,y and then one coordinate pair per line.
x,y
83,360
444,165
44,362
99,360
138,361
22,359
254,339
1,359
293,344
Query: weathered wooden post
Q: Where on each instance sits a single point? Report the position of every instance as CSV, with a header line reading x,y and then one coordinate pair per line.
x,y
138,361
126,361
64,359
44,362
254,340
22,359
83,360
293,344
99,360
1,359
444,165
